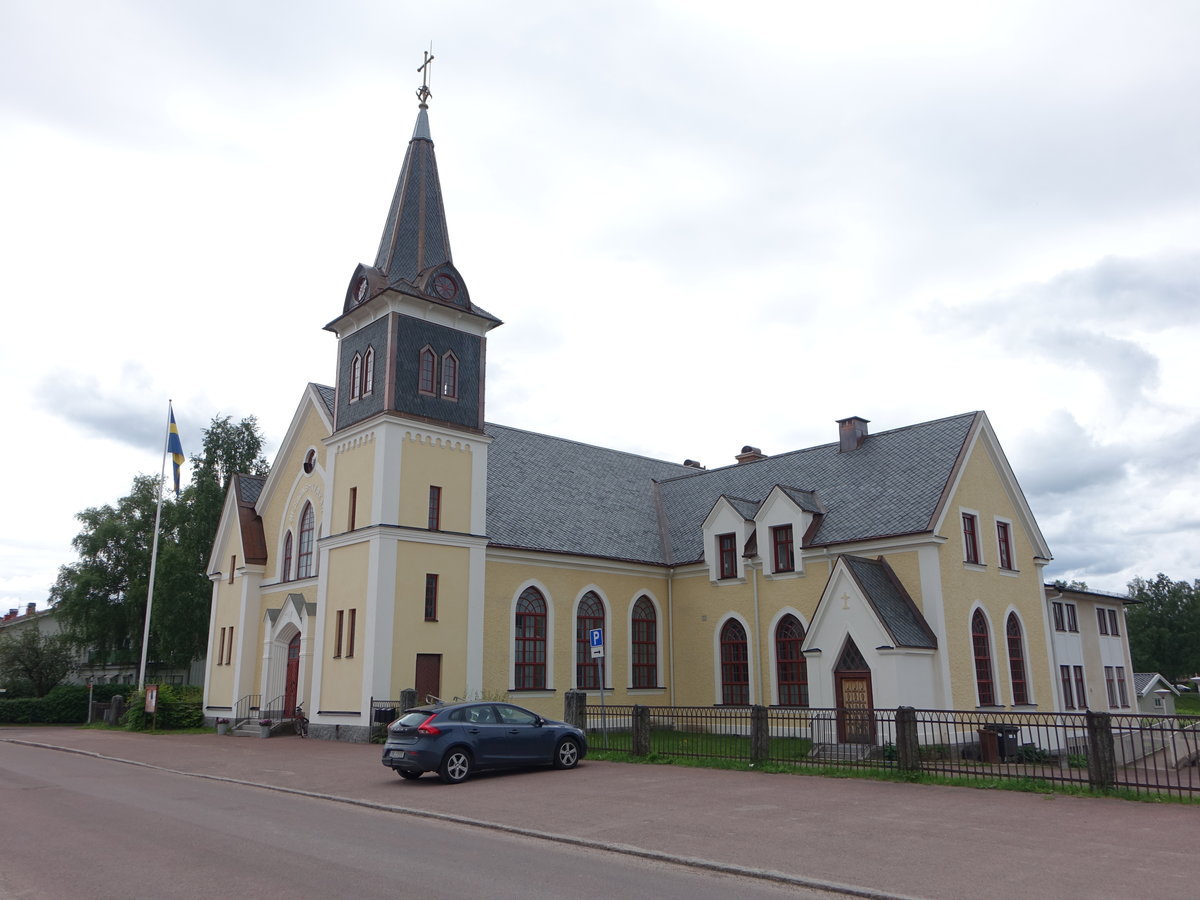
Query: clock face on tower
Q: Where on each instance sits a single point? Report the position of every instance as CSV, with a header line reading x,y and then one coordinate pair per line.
x,y
445,287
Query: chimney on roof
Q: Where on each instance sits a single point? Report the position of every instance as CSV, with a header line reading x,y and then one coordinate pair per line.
x,y
851,433
749,454
12,614
30,609
692,464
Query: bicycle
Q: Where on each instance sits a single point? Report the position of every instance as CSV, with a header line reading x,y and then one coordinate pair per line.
x,y
300,722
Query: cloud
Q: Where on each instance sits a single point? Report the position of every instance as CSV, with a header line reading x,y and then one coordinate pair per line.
x,y
122,414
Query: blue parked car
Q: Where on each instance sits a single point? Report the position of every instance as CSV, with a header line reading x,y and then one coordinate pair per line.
x,y
457,739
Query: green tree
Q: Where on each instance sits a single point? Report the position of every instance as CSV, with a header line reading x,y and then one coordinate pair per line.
x,y
180,621
1164,626
30,659
101,598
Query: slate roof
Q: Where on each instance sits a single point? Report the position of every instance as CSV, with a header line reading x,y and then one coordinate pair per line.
x,y
1143,681
328,397
892,604
548,493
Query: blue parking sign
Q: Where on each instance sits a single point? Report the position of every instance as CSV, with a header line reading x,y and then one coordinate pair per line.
x,y
597,635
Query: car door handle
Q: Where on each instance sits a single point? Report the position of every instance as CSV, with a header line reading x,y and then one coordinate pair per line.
x,y
473,731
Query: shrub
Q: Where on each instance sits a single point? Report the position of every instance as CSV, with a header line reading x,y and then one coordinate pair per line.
x,y
179,706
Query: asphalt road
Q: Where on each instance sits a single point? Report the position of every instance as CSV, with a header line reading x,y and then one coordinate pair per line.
x,y
876,839
89,827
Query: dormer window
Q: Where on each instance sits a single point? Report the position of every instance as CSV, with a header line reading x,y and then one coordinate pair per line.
x,y
783,555
726,556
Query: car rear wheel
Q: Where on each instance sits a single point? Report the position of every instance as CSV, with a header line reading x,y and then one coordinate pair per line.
x,y
566,754
455,767
408,776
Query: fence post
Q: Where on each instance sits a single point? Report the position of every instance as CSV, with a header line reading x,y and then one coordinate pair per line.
x,y
408,699
641,731
575,709
1102,756
908,751
760,734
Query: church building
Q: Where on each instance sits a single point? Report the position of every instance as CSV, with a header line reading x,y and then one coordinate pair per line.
x,y
403,541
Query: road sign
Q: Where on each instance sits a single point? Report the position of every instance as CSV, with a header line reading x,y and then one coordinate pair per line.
x,y
597,638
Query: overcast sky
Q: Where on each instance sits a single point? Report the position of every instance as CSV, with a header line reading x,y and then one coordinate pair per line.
x,y
704,224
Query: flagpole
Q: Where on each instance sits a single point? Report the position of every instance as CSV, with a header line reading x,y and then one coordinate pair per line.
x,y
154,552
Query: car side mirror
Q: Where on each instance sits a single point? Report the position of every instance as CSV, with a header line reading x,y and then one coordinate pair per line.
x,y
539,722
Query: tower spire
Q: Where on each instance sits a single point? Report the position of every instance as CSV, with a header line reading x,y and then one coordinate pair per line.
x,y
415,238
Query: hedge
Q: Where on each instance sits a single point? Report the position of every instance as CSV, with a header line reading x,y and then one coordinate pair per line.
x,y
179,706
64,705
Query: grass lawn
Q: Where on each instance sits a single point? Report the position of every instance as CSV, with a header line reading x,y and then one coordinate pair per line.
x,y
1188,704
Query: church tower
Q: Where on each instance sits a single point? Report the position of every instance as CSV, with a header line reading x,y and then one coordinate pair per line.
x,y
410,341
403,535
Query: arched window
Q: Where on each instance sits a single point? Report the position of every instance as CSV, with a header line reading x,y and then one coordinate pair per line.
x,y
304,558
355,377
589,615
450,376
645,644
735,665
791,668
1016,660
530,651
369,371
427,375
285,572
982,648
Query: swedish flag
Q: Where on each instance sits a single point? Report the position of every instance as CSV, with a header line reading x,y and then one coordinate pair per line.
x,y
174,447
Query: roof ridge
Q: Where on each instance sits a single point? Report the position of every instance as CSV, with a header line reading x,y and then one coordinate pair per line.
x,y
578,443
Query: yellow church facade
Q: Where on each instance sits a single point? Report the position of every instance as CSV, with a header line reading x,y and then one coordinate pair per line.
x,y
401,541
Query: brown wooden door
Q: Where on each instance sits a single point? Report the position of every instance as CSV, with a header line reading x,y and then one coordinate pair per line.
x,y
291,681
429,676
856,719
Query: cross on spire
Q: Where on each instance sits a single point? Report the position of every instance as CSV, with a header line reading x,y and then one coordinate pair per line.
x,y
423,92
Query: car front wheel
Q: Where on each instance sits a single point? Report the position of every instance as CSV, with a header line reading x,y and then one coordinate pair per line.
x,y
455,767
566,755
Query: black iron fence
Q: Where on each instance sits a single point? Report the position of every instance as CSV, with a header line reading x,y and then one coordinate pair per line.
x,y
1147,754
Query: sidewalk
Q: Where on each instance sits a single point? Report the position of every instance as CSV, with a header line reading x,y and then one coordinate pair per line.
x,y
880,837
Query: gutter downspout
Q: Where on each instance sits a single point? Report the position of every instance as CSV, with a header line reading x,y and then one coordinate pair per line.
x,y
757,631
671,630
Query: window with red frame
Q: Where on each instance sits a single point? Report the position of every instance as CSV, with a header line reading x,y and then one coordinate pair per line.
x,y
726,556
1122,690
450,376
735,665
983,659
589,615
435,507
529,669
791,668
427,372
1004,539
1016,661
1080,689
1064,674
1110,684
970,538
645,644
784,556
431,598
304,558
285,573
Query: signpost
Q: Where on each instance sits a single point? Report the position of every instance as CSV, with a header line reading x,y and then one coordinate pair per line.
x,y
597,639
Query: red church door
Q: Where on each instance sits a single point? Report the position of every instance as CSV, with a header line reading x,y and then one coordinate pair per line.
x,y
292,680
